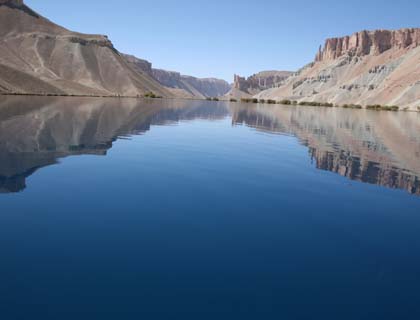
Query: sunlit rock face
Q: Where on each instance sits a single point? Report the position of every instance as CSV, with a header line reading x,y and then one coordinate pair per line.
x,y
258,82
180,85
368,67
140,65
192,86
40,57
369,43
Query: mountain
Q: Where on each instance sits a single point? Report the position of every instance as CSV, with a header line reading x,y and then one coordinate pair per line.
x,y
368,67
40,57
247,87
181,85
196,87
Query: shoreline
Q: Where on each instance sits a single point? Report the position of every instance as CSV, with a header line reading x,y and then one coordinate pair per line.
x,y
249,101
51,95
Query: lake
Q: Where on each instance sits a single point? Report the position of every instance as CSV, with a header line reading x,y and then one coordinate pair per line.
x,y
172,209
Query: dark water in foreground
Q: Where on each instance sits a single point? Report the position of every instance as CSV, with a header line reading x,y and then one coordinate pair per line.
x,y
127,209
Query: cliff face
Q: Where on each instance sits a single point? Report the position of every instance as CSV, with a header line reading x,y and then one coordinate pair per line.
x,y
40,57
368,67
258,82
209,87
169,79
140,65
180,85
191,86
368,43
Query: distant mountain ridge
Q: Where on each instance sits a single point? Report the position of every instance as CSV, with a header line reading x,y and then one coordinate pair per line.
x,y
182,85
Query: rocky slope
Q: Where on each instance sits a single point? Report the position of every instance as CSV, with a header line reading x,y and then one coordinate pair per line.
x,y
190,86
181,85
208,87
140,65
368,67
246,87
40,57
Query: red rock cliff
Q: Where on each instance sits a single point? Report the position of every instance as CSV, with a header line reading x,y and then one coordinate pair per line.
x,y
368,43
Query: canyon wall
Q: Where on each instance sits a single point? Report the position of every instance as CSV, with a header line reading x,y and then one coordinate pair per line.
x,y
258,82
192,86
181,85
140,65
368,43
368,67
40,57
208,87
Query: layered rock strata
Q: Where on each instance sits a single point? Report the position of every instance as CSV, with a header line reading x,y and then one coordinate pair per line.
x,y
368,67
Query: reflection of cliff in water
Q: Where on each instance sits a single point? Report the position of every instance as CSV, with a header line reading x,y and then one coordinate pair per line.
x,y
380,148
36,132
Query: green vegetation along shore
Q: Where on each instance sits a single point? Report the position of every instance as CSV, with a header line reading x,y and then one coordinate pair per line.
x,y
322,104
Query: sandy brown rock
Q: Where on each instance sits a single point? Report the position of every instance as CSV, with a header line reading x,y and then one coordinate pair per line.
x,y
368,43
140,65
181,85
192,86
369,67
246,87
41,57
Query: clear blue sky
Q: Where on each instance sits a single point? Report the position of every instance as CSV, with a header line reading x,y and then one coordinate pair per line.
x,y
221,37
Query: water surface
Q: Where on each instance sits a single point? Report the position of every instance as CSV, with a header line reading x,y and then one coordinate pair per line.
x,y
122,208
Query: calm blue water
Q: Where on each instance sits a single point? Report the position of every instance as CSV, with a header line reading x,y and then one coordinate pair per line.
x,y
129,209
